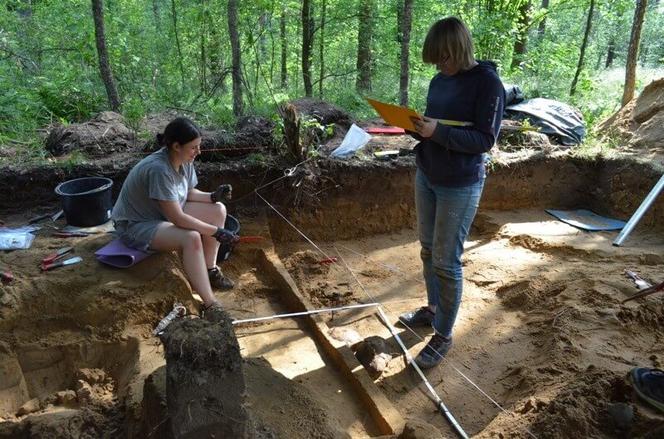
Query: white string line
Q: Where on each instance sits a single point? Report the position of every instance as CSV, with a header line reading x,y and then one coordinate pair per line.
x,y
447,361
409,358
293,226
392,268
304,313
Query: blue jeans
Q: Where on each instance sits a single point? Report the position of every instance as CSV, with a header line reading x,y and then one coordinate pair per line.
x,y
444,216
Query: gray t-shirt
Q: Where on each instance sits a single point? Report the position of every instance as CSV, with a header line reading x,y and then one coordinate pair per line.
x,y
153,179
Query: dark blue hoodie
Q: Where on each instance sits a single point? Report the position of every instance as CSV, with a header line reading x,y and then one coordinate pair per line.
x,y
454,156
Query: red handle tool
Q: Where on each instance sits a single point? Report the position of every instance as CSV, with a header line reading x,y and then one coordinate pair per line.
x,y
58,254
6,277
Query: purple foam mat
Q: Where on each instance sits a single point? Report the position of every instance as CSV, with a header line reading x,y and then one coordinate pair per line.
x,y
118,255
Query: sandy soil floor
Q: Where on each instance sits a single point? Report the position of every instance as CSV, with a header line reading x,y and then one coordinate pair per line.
x,y
541,328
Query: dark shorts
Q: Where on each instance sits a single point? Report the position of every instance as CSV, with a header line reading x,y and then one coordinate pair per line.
x,y
137,234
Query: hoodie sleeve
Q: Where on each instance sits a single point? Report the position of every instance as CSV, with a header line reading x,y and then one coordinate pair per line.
x,y
488,116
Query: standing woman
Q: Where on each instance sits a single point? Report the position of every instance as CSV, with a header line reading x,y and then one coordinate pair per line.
x,y
160,209
450,172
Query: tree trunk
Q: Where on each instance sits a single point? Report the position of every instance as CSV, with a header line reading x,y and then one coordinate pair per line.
x,y
584,43
321,46
364,37
263,29
177,39
307,43
284,49
541,28
610,53
633,51
521,42
214,55
203,26
235,56
104,65
155,15
406,24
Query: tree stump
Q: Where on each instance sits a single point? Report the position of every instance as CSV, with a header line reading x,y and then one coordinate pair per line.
x,y
205,383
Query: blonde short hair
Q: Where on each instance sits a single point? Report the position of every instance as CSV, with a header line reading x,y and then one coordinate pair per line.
x,y
449,37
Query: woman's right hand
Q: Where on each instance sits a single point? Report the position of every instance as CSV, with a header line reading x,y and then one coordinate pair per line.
x,y
225,236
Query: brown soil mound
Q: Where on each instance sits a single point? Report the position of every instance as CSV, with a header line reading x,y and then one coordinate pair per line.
x,y
598,403
105,134
322,111
641,121
250,134
286,407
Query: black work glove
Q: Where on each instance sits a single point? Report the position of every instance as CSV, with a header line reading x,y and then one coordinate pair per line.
x,y
225,236
223,193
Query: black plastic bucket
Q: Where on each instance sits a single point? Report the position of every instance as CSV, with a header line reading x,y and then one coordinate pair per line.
x,y
225,249
86,201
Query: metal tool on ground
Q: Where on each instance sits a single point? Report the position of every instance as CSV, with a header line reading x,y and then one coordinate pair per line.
x,y
646,292
178,310
6,277
389,154
39,218
55,256
645,205
70,234
66,262
51,216
641,283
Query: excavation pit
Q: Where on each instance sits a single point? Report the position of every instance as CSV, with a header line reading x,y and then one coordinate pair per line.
x,y
542,329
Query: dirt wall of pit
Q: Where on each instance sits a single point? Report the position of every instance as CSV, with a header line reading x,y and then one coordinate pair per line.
x,y
380,198
355,198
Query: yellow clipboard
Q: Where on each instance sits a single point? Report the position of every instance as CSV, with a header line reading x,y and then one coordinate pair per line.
x,y
400,116
395,115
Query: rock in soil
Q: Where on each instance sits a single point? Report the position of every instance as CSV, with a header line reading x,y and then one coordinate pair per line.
x,y
29,407
373,354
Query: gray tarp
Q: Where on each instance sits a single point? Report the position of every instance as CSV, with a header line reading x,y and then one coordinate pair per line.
x,y
555,119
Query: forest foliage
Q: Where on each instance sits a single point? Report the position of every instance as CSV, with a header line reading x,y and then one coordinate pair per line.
x,y
177,54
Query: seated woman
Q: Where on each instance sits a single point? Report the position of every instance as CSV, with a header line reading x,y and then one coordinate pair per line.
x,y
160,209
